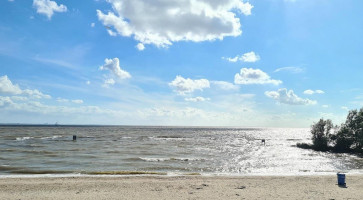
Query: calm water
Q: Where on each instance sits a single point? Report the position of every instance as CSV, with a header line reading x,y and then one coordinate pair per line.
x,y
171,150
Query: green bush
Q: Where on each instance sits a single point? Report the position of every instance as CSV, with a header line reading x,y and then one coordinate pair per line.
x,y
348,138
321,134
304,146
343,139
350,135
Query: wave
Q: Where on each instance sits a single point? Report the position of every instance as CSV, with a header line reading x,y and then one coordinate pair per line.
x,y
23,138
18,170
171,159
42,138
29,171
86,136
171,137
51,137
125,173
8,168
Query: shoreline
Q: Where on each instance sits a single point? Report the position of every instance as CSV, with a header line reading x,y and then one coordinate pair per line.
x,y
182,187
120,174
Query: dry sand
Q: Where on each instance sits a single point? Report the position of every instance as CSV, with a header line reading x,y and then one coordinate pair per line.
x,y
182,187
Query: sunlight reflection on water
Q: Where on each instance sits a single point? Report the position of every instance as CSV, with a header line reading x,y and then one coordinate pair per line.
x,y
229,151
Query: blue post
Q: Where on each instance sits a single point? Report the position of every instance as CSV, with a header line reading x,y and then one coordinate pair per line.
x,y
341,179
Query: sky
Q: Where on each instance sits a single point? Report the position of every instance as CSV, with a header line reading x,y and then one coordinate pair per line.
x,y
256,63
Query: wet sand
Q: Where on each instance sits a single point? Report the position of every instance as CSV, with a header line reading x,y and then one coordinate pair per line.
x,y
182,187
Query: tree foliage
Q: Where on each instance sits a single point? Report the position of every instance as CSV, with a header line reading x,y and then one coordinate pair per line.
x,y
350,135
346,138
321,133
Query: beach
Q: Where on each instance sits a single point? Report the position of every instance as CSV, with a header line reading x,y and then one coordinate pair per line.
x,y
181,187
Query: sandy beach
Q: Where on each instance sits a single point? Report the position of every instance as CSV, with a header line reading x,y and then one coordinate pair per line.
x,y
182,187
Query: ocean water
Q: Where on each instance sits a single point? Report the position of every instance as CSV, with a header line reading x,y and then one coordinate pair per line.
x,y
164,150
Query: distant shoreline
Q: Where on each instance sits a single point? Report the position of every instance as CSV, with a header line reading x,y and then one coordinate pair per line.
x,y
152,126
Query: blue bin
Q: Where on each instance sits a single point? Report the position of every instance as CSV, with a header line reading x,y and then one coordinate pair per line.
x,y
341,179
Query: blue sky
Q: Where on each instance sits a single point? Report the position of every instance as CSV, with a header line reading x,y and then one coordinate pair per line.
x,y
257,63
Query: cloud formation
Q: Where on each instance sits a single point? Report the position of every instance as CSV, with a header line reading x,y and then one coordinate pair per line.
x,y
249,76
114,66
311,92
247,57
288,97
36,94
76,101
48,7
108,82
7,87
294,70
197,99
4,101
161,22
183,86
140,46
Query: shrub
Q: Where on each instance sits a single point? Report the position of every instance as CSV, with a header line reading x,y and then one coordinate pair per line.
x,y
304,146
321,133
343,139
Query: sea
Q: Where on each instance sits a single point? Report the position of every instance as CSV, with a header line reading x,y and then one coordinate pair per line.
x,y
142,150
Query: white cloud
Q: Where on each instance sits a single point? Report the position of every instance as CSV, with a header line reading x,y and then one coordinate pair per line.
x,y
36,94
197,99
183,86
247,57
325,106
4,101
112,33
6,86
114,66
140,46
254,76
161,22
108,82
77,101
250,57
35,108
48,7
93,25
288,97
19,98
61,100
234,59
223,85
311,92
88,82
294,70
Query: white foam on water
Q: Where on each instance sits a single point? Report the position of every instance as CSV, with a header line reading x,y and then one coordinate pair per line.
x,y
23,138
